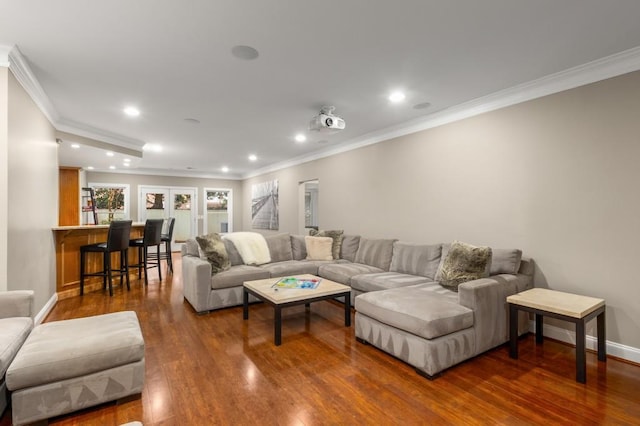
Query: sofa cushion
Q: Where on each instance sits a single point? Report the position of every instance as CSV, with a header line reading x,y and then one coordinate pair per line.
x,y
67,349
232,251
212,249
463,263
342,272
414,310
416,259
319,248
505,261
13,333
375,253
236,275
385,280
279,247
335,235
349,247
298,247
290,267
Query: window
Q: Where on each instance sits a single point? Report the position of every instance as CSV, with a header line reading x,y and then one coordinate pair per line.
x,y
112,201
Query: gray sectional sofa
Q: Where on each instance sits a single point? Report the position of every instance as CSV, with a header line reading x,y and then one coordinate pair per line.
x,y
16,311
400,306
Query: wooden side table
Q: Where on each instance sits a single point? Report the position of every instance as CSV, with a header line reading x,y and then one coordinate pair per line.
x,y
565,306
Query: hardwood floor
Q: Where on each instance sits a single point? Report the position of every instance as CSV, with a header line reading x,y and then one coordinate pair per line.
x,y
218,369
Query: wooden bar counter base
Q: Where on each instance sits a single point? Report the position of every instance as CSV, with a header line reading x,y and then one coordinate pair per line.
x,y
565,306
68,240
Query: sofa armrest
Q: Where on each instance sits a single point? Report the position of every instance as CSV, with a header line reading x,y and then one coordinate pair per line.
x,y
17,303
196,282
487,298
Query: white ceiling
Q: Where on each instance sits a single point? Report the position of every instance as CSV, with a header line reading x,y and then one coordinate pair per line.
x,y
172,59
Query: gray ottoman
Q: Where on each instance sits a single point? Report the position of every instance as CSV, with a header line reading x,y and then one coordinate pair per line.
x,y
64,366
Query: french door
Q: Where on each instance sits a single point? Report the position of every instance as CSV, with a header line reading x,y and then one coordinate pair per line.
x,y
159,202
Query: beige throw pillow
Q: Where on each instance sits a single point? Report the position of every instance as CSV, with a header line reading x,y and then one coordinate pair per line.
x,y
212,249
336,235
319,248
463,263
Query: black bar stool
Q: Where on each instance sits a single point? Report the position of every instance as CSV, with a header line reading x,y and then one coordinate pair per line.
x,y
117,240
152,237
166,237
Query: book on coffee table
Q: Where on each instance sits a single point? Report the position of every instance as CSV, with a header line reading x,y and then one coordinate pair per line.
x,y
292,282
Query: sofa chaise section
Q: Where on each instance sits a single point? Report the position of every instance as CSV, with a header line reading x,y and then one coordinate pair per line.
x,y
433,328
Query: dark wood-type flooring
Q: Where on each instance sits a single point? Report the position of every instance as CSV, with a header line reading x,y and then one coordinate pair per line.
x,y
218,369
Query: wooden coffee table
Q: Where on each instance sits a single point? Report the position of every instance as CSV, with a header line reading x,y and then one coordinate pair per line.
x,y
285,297
565,306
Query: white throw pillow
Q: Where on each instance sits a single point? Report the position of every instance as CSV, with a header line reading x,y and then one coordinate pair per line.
x,y
319,248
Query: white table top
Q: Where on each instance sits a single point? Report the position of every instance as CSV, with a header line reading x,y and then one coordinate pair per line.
x,y
568,304
284,295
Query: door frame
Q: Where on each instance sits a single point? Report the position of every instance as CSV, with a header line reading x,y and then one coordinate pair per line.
x,y
168,208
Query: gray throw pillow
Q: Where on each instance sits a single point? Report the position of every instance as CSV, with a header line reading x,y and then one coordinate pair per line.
x,y
336,235
463,263
212,249
505,261
232,252
298,247
279,247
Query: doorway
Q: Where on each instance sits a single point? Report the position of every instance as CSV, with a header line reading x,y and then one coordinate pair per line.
x,y
309,203
158,202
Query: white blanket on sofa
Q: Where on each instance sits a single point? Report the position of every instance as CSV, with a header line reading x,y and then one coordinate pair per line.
x,y
251,246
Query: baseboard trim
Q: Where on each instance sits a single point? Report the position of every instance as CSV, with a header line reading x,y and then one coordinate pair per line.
x,y
46,309
628,353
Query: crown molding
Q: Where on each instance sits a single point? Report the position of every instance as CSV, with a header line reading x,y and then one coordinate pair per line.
x,y
11,57
76,128
591,72
171,173
21,70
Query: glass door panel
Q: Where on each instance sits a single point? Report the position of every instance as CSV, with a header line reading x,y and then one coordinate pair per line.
x,y
217,210
155,202
165,202
183,209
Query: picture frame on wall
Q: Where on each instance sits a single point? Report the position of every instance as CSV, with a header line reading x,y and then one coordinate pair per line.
x,y
264,205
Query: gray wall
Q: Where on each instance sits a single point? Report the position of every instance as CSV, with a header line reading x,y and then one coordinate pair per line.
x,y
557,177
32,198
136,180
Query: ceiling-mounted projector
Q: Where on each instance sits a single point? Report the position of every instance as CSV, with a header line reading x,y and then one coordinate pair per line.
x,y
326,122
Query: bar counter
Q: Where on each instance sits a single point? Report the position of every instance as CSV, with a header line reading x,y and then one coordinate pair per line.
x,y
68,240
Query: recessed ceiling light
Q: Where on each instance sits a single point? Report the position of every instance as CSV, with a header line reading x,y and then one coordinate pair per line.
x,y
112,167
75,146
300,137
152,147
109,154
244,52
89,167
253,157
396,97
132,111
127,160
225,169
126,164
